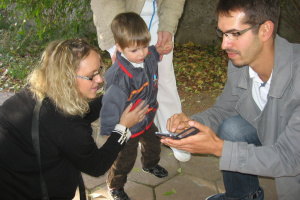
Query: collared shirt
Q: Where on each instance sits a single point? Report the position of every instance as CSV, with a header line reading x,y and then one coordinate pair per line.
x,y
260,89
135,65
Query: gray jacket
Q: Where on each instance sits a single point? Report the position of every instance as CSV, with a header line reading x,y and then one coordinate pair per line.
x,y
278,125
127,84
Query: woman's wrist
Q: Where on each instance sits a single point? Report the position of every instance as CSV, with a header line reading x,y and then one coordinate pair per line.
x,y
123,130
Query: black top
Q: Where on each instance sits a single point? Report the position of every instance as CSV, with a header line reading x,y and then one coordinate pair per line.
x,y
66,146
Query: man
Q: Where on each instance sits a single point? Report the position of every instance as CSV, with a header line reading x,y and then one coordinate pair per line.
x,y
257,117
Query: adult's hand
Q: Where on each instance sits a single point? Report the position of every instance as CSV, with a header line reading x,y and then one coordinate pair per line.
x,y
114,57
113,53
178,122
164,43
204,142
131,118
163,38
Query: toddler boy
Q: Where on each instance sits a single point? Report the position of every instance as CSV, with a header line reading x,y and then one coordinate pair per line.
x,y
132,78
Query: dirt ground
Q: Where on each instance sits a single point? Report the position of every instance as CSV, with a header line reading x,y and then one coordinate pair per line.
x,y
194,103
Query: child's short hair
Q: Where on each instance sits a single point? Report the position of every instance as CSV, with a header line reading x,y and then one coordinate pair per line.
x,y
130,29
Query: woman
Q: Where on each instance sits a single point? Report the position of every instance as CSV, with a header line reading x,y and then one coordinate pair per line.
x,y
66,79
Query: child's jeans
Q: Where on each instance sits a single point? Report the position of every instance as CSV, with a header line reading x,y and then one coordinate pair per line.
x,y
150,149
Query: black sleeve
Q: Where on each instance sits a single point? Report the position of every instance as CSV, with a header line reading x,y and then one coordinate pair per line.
x,y
70,138
80,148
154,52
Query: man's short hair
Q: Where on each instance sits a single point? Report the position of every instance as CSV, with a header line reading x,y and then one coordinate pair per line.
x,y
130,29
256,11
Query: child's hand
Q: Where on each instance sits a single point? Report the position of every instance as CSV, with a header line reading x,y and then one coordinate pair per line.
x,y
131,118
167,48
164,43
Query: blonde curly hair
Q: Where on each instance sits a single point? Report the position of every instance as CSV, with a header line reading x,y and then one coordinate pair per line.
x,y
55,75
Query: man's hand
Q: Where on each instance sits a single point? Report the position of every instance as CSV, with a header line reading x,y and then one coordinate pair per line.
x,y
177,123
204,142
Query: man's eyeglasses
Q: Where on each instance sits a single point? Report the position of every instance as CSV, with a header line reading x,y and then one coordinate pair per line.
x,y
100,72
235,35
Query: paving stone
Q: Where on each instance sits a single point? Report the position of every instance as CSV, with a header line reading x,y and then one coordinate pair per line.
x,y
269,188
139,191
203,166
99,192
167,161
220,186
4,96
91,182
186,187
134,190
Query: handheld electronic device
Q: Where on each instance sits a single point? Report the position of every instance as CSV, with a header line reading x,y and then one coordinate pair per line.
x,y
186,133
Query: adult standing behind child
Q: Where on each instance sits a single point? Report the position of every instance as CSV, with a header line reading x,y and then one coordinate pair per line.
x,y
132,79
161,17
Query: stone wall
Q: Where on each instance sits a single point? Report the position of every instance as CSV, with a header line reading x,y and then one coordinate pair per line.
x,y
198,23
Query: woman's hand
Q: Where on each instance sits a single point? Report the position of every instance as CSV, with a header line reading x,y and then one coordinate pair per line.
x,y
131,118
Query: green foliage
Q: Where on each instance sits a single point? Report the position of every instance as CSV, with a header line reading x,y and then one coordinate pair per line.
x,y
197,68
173,191
136,169
179,170
51,19
32,24
14,64
200,67
26,26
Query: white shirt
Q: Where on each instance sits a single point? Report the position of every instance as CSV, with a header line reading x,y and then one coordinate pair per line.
x,y
260,90
135,65
149,13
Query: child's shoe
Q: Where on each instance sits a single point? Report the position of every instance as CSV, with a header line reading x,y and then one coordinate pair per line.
x,y
157,171
118,194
